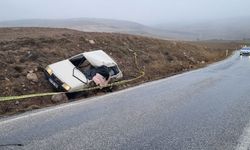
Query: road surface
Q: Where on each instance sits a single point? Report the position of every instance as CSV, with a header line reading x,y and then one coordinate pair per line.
x,y
207,108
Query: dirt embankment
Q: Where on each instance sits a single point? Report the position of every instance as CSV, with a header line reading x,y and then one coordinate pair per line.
x,y
25,51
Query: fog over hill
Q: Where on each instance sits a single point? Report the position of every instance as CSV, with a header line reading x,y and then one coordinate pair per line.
x,y
226,29
90,25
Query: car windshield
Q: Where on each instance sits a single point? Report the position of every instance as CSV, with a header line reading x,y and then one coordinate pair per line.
x,y
83,65
246,48
77,60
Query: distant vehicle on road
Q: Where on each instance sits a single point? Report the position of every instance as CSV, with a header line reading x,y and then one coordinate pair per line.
x,y
80,71
245,51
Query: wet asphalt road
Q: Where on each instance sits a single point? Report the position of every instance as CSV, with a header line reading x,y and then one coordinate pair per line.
x,y
203,109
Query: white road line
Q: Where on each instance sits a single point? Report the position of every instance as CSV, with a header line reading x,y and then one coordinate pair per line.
x,y
244,141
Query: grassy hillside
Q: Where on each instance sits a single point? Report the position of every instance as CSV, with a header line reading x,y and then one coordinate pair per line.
x,y
24,50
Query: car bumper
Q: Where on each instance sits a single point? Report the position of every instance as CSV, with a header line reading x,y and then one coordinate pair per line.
x,y
54,82
245,53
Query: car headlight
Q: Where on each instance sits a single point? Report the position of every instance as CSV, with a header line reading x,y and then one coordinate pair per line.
x,y
49,70
66,86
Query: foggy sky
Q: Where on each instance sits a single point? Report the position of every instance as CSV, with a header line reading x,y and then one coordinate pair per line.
x,y
142,11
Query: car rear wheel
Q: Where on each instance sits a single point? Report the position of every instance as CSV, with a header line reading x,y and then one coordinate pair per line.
x,y
76,95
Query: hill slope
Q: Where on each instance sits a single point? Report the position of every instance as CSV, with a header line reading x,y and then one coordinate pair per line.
x,y
24,50
227,29
90,25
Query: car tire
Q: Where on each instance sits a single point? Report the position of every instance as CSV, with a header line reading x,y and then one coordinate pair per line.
x,y
76,95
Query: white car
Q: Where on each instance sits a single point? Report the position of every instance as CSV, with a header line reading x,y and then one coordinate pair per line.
x,y
245,51
77,72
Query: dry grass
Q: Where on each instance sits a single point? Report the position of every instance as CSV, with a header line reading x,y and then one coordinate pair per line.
x,y
26,49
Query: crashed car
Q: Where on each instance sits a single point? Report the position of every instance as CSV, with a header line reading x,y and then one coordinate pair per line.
x,y
245,51
83,70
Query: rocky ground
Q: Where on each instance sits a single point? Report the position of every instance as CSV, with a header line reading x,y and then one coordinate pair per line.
x,y
24,52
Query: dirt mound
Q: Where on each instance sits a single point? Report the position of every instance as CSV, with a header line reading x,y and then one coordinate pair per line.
x,y
24,52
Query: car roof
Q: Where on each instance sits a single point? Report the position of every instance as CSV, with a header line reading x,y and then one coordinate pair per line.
x,y
99,58
246,48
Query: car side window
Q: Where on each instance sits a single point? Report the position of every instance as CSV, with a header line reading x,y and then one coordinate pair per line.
x,y
113,70
77,60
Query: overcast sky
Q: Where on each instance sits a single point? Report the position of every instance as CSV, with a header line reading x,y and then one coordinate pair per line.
x,y
142,11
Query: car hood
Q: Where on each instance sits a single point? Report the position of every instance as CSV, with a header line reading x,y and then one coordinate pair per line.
x,y
98,58
63,70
